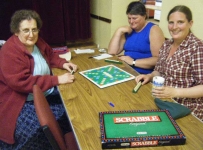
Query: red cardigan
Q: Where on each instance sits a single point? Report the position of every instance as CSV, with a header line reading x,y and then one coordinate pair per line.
x,y
16,81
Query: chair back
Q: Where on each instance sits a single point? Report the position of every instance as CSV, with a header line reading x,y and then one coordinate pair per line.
x,y
47,120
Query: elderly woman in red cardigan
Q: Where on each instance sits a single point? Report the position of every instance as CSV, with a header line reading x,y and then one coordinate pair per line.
x,y
25,60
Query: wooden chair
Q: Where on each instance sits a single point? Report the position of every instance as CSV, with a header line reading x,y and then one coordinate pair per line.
x,y
49,124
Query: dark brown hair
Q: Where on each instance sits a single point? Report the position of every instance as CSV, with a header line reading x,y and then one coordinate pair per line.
x,y
21,15
136,8
183,9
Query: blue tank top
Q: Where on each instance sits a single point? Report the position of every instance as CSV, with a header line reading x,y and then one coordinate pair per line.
x,y
137,46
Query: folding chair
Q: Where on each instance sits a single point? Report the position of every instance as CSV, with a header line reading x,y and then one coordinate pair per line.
x,y
49,124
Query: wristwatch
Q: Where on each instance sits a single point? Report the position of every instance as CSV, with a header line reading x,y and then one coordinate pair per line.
x,y
134,62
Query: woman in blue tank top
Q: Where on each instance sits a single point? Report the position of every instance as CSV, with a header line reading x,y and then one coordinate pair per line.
x,y
140,41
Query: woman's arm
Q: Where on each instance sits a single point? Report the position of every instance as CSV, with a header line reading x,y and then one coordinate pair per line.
x,y
193,92
171,92
118,40
156,40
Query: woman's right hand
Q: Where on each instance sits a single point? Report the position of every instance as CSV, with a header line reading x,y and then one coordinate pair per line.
x,y
125,29
117,41
66,78
145,77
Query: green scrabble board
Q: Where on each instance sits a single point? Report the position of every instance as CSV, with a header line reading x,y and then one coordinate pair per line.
x,y
127,129
107,75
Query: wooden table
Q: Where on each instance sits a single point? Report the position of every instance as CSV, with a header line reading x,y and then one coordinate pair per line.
x,y
83,101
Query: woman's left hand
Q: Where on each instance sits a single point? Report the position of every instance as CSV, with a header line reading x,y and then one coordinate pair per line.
x,y
163,92
127,59
70,66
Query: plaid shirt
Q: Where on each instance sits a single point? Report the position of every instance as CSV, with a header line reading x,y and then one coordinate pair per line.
x,y
184,69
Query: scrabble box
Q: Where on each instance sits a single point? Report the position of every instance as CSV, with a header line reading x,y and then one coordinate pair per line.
x,y
139,128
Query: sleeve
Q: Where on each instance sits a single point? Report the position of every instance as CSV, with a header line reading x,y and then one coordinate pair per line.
x,y
197,63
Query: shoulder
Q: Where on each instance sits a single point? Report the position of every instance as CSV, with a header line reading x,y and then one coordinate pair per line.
x,y
167,43
11,40
155,28
11,44
192,40
150,24
42,45
40,41
196,39
157,33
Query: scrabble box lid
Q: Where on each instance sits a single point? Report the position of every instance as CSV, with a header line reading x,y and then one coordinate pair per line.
x,y
139,128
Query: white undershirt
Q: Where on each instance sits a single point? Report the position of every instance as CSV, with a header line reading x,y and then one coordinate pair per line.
x,y
40,68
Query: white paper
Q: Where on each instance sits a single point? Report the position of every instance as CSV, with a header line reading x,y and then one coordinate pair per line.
x,y
2,42
103,56
67,56
83,51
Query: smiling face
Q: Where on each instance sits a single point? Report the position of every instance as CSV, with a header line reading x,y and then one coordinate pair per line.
x,y
28,33
179,26
136,22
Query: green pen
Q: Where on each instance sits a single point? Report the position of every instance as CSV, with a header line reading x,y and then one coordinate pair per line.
x,y
113,61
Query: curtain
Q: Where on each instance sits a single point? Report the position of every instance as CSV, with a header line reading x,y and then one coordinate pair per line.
x,y
77,19
63,20
7,8
51,13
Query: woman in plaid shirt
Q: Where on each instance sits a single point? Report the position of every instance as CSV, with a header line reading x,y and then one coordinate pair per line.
x,y
180,63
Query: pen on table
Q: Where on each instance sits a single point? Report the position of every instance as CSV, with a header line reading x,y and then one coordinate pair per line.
x,y
94,56
111,104
113,61
138,86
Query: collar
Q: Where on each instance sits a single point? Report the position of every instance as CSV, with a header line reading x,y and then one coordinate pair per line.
x,y
184,43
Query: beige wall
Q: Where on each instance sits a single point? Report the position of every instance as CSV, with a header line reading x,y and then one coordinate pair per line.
x,y
196,7
115,10
119,17
110,9
99,28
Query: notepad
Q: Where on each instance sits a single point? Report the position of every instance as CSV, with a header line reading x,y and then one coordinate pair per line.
x,y
103,56
83,51
67,56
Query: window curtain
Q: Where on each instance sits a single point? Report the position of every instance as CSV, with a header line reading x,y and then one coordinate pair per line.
x,y
63,20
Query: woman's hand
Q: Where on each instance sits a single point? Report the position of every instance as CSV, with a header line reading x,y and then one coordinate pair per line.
x,y
70,66
164,92
125,29
66,78
127,59
117,41
144,77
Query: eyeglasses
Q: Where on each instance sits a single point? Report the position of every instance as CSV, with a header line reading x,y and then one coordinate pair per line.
x,y
27,31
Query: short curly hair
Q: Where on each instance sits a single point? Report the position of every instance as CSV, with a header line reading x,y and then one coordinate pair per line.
x,y
21,15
